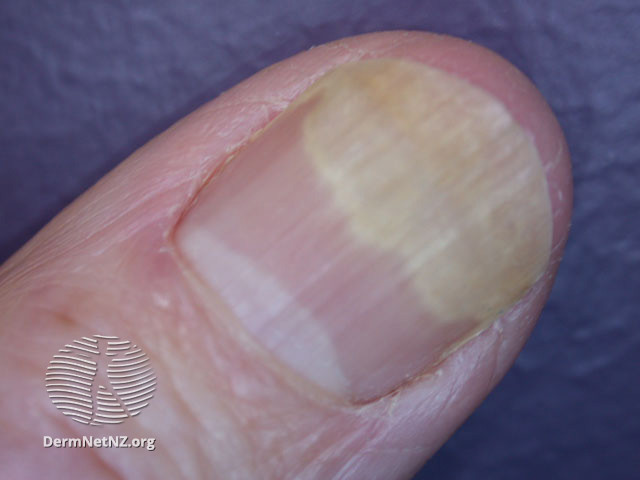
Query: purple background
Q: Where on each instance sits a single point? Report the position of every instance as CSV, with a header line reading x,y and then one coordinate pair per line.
x,y
84,83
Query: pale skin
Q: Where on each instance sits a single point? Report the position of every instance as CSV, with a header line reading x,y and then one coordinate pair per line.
x,y
108,262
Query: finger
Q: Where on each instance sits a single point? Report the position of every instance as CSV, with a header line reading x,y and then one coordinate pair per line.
x,y
331,297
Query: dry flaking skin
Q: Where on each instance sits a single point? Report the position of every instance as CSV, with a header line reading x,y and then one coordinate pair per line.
x,y
435,170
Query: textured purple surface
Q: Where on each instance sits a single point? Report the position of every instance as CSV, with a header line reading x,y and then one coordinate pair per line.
x,y
85,83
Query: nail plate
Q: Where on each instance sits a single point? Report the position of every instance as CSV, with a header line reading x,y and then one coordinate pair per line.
x,y
389,214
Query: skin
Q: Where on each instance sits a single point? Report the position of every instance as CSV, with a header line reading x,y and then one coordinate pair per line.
x,y
108,263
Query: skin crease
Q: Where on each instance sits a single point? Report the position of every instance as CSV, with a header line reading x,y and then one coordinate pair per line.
x,y
107,265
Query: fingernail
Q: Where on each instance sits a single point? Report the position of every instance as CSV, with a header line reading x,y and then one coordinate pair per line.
x,y
387,216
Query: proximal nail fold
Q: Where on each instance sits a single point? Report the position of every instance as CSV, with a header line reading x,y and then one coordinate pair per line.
x,y
389,214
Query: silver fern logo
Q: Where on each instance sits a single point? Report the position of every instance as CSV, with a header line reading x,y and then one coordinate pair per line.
x,y
100,380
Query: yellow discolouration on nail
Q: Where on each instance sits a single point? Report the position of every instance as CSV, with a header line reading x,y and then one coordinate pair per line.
x,y
436,171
